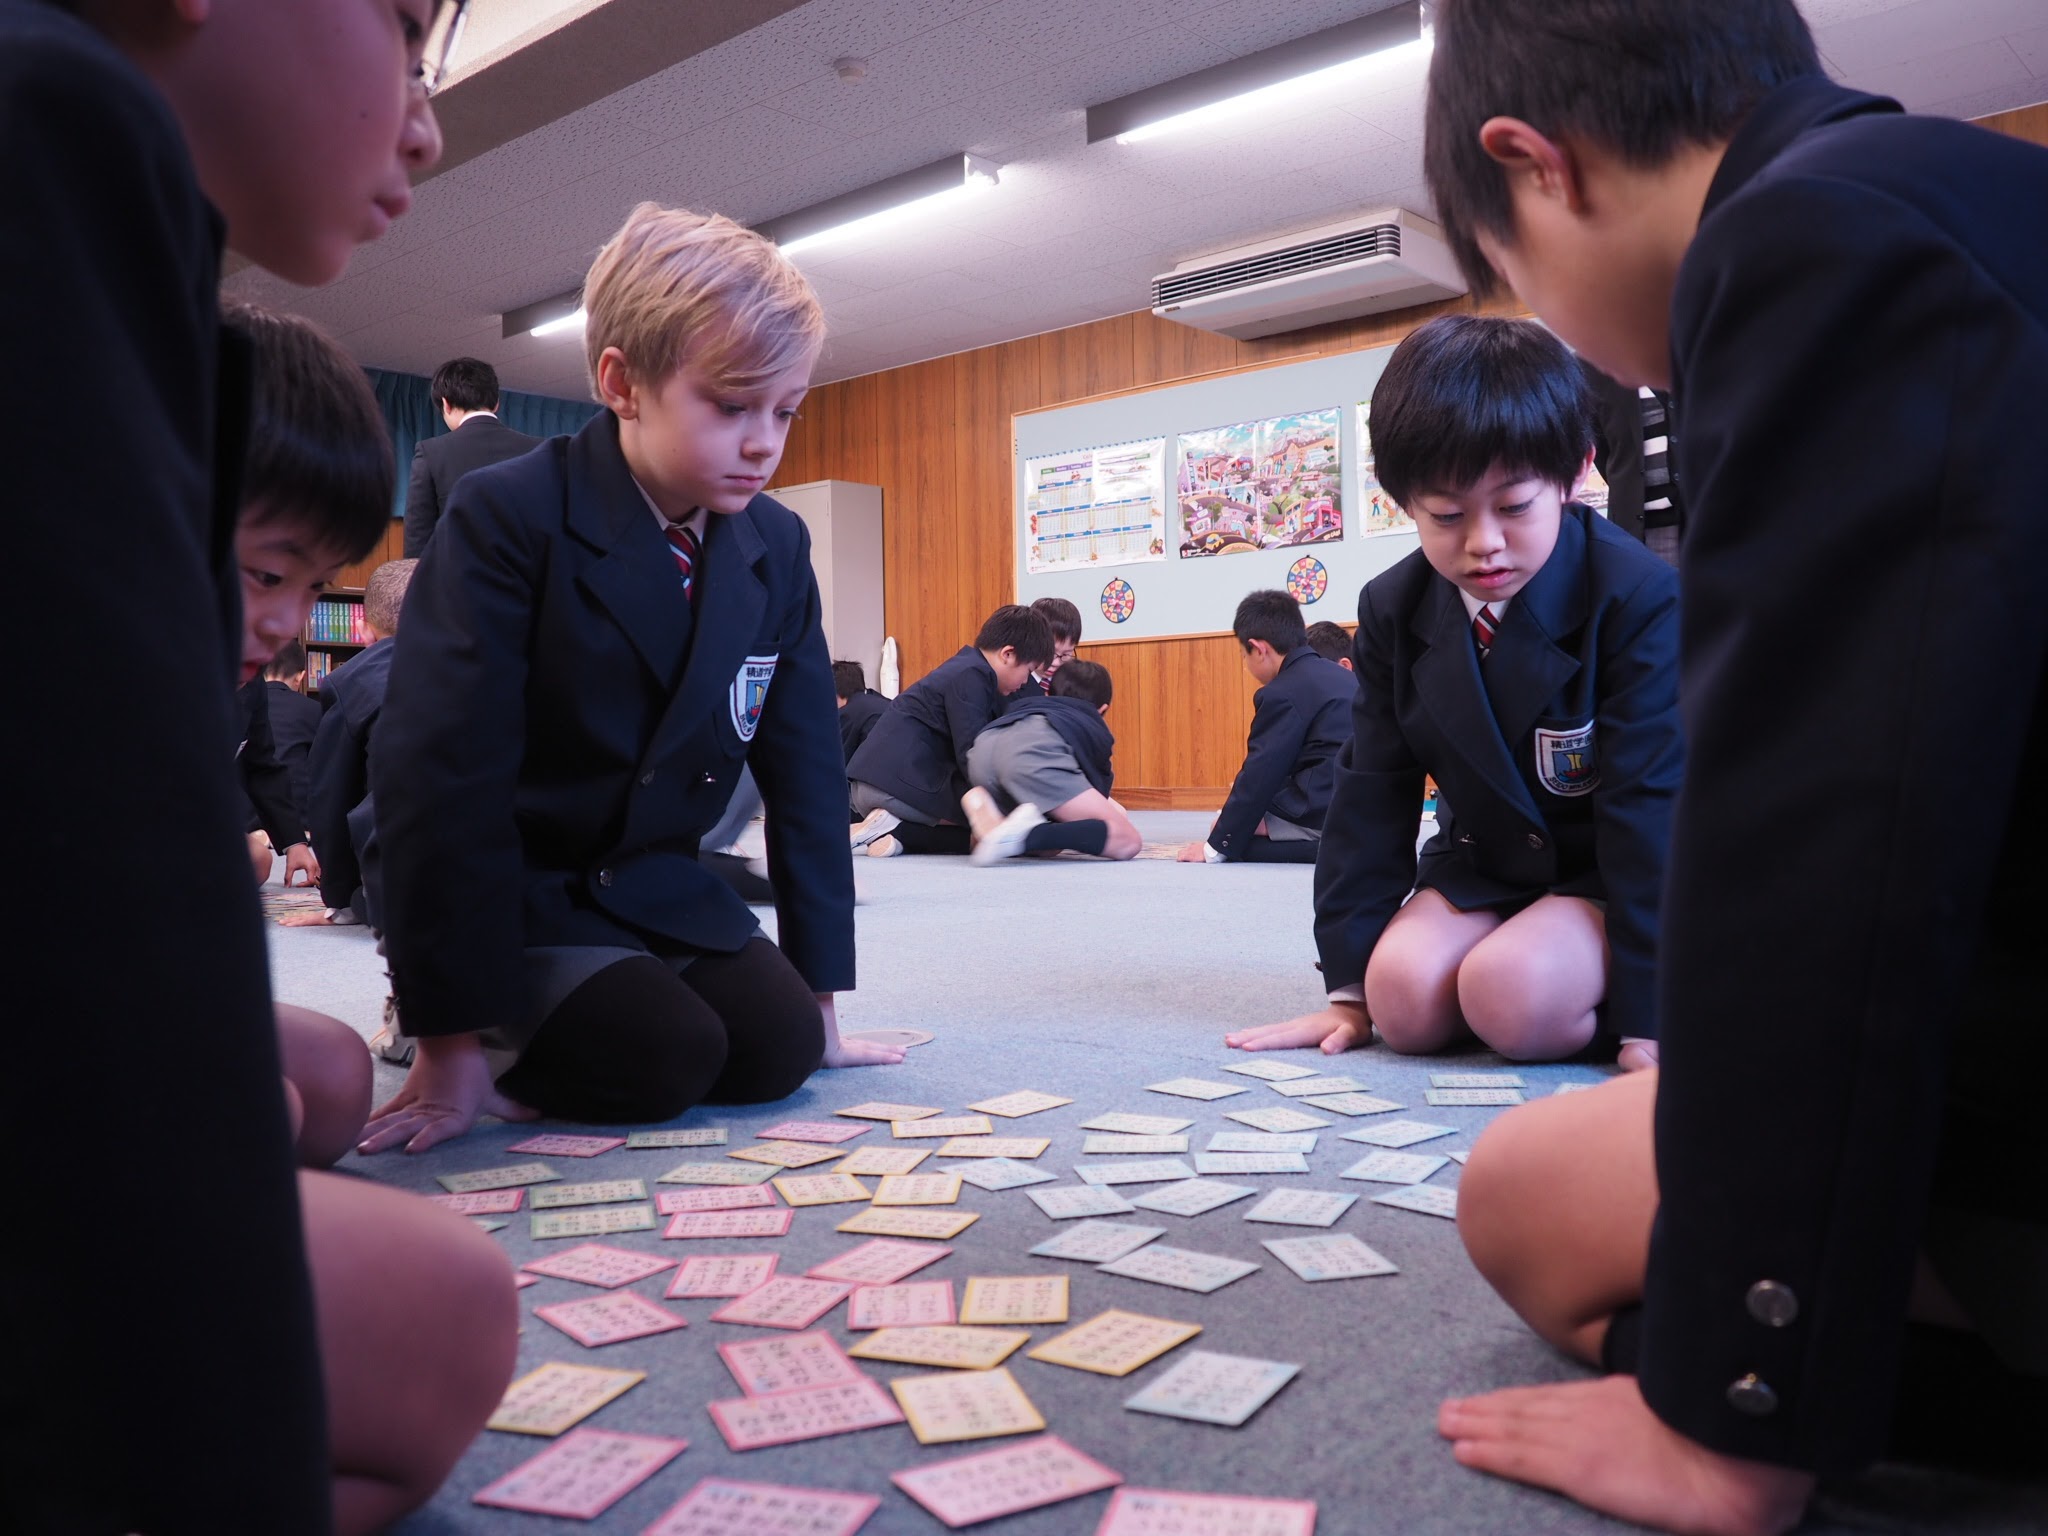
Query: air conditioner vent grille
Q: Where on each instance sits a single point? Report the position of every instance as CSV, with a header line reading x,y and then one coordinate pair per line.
x,y
1315,255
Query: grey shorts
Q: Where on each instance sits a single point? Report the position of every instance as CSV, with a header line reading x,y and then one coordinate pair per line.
x,y
1281,830
1026,762
867,798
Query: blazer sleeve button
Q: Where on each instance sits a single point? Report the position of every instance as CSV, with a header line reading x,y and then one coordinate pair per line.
x,y
1752,1396
1536,841
1772,1303
604,877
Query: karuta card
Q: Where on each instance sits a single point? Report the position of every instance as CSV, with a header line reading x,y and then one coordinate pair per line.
x,y
965,1405
567,1146
1458,1154
1014,1106
1302,1207
1159,1512
1151,1170
918,1189
989,1484
1069,1200
598,1223
823,1189
1272,1071
877,1161
1192,1197
702,1136
1575,1087
761,1366
1399,1133
749,1423
1137,1125
1353,1104
1476,1080
910,1222
1304,1087
1179,1267
1000,1173
695,1224
880,1261
719,1506
485,1202
823,1131
609,1319
1394,1168
497,1178
596,1264
1336,1256
1278,1120
879,1110
787,1154
1429,1199
558,1397
745,1197
942,1125
959,1349
1096,1242
582,1474
1214,1389
521,1282
1446,1098
490,1223
1107,1144
914,1304
718,1173
1262,1141
1014,1299
721,1274
995,1146
787,1301
555,1197
1115,1343
1196,1088
1250,1162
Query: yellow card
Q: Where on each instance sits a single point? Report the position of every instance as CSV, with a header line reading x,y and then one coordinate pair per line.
x,y
918,1189
965,1405
942,1125
1115,1343
1023,1102
557,1397
960,1349
891,1222
787,1154
995,1146
822,1189
882,1160
1015,1299
877,1109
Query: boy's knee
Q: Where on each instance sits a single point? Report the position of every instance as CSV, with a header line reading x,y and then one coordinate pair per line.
x,y
1405,1003
1124,842
1499,1191
1518,1003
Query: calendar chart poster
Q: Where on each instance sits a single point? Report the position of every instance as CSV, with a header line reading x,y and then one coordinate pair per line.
x,y
1096,506
1258,485
1379,513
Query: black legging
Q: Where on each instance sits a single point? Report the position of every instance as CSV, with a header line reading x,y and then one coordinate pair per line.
x,y
637,1042
1260,849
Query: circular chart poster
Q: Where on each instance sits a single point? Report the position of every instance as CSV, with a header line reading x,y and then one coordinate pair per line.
x,y
1307,580
1119,602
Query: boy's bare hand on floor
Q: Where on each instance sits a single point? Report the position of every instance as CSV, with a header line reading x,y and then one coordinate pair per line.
x,y
1339,1027
852,1053
448,1087
299,861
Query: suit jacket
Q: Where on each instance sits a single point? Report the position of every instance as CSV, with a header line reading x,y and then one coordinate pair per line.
x,y
1618,447
438,462
107,229
266,776
293,720
1080,728
917,751
858,717
339,811
562,725
1860,338
1300,722
1557,760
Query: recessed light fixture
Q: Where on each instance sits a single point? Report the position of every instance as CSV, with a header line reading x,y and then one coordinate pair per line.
x,y
885,203
1357,49
548,317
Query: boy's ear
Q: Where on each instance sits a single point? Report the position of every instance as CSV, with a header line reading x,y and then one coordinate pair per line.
x,y
1102,709
1579,479
615,384
1546,167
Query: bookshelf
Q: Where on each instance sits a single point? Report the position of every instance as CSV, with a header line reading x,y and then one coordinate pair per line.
x,y
334,632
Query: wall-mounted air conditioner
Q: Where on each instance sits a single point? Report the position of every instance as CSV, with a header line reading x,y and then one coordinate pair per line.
x,y
1389,259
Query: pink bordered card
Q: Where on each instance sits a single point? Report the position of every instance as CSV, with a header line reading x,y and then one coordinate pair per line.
x,y
744,1197
919,1304
1162,1512
800,1360
719,1506
582,1474
485,1202
990,1484
730,1223
609,1319
879,1261
812,1130
600,1265
567,1146
721,1274
749,1423
787,1301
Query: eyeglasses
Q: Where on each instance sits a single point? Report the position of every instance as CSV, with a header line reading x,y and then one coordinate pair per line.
x,y
437,50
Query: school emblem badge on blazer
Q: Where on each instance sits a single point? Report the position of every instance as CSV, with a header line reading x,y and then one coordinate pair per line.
x,y
750,693
1566,761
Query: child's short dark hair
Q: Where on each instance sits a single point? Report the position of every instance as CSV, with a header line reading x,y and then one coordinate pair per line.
x,y
1024,630
849,678
1087,681
384,595
1329,640
1466,392
1272,616
1064,618
1640,80
467,383
319,451
289,661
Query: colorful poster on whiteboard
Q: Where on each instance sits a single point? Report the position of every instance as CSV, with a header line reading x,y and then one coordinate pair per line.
x,y
1261,485
1380,513
1095,506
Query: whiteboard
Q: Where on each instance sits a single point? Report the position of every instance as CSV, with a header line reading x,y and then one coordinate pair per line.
x,y
1176,596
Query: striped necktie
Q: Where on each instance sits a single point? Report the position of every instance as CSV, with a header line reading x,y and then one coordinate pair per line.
x,y
684,544
1484,625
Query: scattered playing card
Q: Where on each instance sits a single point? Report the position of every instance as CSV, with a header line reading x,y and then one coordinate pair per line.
x,y
1214,1389
702,1136
698,1224
673,1202
1137,1125
1394,1168
995,1146
942,1125
718,1506
1069,1200
1156,1170
1014,1106
1158,1512
1014,1299
1096,1242
1445,1098
485,1202
1277,1119
557,1397
1250,1162
787,1301
1338,1256
1575,1087
824,1189
582,1474
1028,1475
597,1223
490,1223
521,1282
748,1423
812,1130
555,1197
1262,1141
718,1173
879,1261
1399,1133
802,1360
1304,1087
1192,1197
787,1154
1353,1103
1429,1199
567,1146
1272,1071
877,1161
960,1349
596,1264
1179,1267
1302,1207
913,1221
914,1304
918,1189
879,1110
1115,1343
1458,1154
609,1319
1196,1088
1104,1144
1000,1173
721,1274
1476,1080
497,1178
965,1405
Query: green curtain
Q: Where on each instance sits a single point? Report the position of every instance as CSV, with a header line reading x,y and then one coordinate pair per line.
x,y
411,414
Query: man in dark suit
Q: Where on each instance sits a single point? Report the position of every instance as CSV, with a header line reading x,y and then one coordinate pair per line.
x,y
466,390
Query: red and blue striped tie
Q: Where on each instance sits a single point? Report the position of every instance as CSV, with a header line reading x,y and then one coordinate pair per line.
x,y
1484,625
686,547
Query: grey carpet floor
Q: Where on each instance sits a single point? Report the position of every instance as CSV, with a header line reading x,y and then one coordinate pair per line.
x,y
1090,981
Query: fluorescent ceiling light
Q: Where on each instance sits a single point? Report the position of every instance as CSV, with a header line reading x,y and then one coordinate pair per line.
x,y
568,322
564,312
886,203
1357,49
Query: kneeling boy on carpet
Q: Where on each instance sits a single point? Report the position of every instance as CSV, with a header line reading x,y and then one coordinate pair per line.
x,y
1051,752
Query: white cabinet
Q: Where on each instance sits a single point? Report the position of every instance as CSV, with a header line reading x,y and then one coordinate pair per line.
x,y
845,520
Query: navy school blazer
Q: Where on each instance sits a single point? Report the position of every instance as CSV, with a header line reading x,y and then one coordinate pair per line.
x,y
1558,760
917,751
339,811
1300,723
562,726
